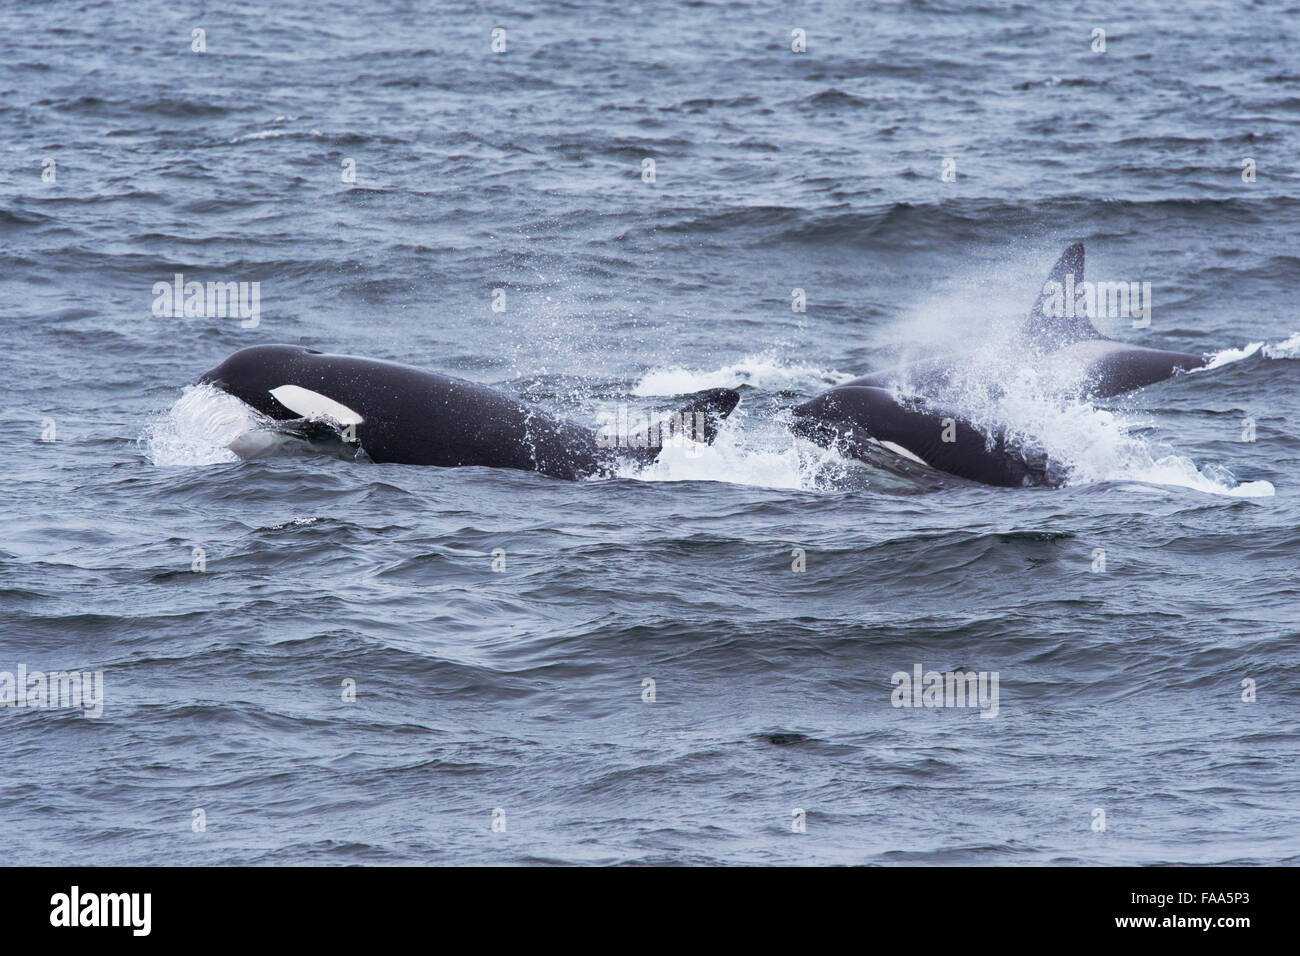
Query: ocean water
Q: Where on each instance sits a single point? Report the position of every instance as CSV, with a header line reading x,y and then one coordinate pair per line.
x,y
1142,620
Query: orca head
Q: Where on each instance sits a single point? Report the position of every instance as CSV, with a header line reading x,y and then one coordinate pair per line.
x,y
252,373
836,414
811,421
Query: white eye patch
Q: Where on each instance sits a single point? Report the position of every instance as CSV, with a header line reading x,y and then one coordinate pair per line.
x,y
314,405
900,450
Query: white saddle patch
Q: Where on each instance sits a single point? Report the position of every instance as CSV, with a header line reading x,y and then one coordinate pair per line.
x,y
314,405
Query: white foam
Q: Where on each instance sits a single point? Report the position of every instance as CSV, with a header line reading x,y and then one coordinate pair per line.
x,y
760,371
1228,356
1177,472
199,428
1287,349
739,457
260,134
1100,446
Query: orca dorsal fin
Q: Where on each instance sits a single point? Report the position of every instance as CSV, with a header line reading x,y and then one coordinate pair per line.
x,y
1056,321
696,421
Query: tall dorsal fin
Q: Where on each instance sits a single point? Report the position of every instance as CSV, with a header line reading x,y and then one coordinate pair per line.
x,y
1055,322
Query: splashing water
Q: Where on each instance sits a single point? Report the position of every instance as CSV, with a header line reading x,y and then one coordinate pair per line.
x,y
758,371
199,429
1034,406
1287,349
1228,356
1098,446
743,457
746,451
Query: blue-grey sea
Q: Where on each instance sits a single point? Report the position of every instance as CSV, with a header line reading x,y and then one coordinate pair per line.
x,y
306,659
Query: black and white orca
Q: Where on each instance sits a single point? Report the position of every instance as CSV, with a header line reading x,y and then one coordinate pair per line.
x,y
902,409
859,419
400,414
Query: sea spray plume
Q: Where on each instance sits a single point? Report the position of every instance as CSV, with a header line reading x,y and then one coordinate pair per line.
x,y
1060,343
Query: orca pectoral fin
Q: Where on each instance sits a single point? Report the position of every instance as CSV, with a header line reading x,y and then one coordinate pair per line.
x,y
1056,319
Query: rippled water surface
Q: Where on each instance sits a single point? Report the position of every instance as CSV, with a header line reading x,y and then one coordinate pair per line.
x,y
516,695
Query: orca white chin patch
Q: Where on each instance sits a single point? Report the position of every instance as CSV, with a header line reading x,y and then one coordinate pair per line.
x,y
314,405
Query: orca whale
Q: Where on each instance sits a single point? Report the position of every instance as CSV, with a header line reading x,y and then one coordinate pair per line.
x,y
858,419
902,409
400,414
1091,365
